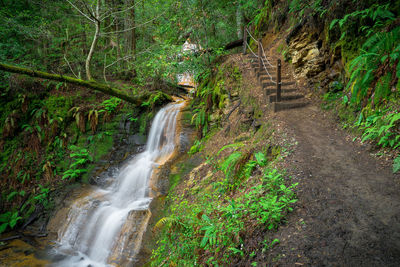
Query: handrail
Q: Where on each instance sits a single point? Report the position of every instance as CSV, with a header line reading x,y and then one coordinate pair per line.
x,y
251,35
262,58
251,50
262,48
270,77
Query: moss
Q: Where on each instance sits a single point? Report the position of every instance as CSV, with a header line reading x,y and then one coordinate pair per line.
x,y
142,123
85,177
58,106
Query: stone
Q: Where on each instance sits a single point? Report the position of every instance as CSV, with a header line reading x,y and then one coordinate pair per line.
x,y
312,54
306,57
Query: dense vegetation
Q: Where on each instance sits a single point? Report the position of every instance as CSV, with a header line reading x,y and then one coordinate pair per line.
x,y
52,134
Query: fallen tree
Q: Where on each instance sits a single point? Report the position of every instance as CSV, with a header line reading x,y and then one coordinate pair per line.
x,y
234,44
136,100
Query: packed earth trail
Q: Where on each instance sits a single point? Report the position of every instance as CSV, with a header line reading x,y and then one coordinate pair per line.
x,y
348,212
348,209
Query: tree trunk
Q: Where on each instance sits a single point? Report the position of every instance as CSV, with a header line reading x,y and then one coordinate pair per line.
x,y
137,100
239,21
133,37
94,42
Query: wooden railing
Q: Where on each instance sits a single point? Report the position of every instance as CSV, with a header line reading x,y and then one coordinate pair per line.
x,y
263,62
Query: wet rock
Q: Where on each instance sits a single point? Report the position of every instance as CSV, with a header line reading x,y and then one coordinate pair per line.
x,y
137,139
183,142
131,235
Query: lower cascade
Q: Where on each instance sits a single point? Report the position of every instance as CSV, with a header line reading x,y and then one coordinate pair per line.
x,y
106,226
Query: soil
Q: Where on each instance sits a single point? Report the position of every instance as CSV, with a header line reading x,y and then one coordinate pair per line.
x,y
348,212
348,209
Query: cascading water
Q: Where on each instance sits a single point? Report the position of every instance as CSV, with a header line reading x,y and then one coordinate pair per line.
x,y
94,233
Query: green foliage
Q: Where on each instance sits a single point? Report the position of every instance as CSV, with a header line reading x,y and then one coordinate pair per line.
x,y
157,98
9,219
201,120
381,126
80,157
110,105
300,7
42,196
206,230
378,14
197,147
234,145
270,208
377,61
229,164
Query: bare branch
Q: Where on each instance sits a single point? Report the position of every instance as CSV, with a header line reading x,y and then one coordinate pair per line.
x,y
137,26
83,14
69,65
120,11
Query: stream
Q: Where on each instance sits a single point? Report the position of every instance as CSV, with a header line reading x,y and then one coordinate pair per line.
x,y
105,226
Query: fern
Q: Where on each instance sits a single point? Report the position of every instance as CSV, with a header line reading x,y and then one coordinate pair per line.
x,y
382,88
168,222
228,165
379,14
377,53
229,146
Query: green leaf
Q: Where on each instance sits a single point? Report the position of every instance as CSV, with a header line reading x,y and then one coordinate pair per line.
x,y
3,227
5,217
261,159
11,195
333,23
396,165
228,146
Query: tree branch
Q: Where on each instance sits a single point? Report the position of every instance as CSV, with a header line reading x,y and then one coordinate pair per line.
x,y
83,14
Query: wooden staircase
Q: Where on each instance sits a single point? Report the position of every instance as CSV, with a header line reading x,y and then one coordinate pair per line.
x,y
267,77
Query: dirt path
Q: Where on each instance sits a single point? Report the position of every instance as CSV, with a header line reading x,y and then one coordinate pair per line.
x,y
348,213
348,209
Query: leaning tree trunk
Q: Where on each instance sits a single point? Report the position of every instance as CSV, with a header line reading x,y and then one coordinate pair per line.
x,y
94,42
239,21
133,36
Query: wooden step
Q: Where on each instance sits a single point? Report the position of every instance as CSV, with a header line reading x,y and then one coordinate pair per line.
x,y
278,106
269,83
264,73
272,98
255,60
266,78
270,91
269,68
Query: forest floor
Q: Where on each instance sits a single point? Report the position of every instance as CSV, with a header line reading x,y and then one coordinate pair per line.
x,y
348,209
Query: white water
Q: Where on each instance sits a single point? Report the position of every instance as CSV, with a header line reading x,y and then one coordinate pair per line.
x,y
94,223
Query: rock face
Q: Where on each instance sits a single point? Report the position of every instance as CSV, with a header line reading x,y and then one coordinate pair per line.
x,y
124,252
306,56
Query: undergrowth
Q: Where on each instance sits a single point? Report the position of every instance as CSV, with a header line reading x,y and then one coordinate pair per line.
x,y
209,228
50,138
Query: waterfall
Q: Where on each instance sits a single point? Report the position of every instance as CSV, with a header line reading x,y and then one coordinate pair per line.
x,y
94,231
